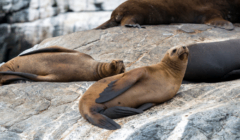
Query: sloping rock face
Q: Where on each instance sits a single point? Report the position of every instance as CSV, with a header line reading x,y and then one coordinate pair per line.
x,y
199,111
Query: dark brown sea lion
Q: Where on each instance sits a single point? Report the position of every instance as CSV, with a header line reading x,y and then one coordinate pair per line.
x,y
216,13
57,64
134,91
212,62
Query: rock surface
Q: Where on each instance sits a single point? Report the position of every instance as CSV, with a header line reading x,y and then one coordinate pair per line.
x,y
138,47
199,111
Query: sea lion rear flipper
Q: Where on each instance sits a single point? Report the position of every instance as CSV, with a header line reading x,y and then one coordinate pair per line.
x,y
30,76
116,88
49,49
102,121
6,79
120,112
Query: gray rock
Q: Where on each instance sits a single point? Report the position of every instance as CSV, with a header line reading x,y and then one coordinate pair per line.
x,y
94,5
1,64
110,4
13,5
138,47
46,110
21,36
11,43
27,15
36,4
29,50
19,4
18,11
5,6
77,6
63,5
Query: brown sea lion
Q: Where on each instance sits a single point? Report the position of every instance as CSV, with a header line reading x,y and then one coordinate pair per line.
x,y
216,13
134,91
213,62
57,64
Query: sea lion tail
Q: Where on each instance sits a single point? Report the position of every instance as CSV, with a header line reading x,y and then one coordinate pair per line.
x,y
102,121
108,24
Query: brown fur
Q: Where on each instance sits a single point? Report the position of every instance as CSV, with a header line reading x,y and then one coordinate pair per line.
x,y
217,13
151,84
64,65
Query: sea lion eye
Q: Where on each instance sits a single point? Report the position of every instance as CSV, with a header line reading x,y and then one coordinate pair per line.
x,y
174,50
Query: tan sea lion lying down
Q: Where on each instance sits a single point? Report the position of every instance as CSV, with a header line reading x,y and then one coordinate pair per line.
x,y
133,13
133,92
57,64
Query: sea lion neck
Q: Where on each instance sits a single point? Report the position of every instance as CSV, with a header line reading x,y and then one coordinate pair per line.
x,y
174,68
10,65
103,70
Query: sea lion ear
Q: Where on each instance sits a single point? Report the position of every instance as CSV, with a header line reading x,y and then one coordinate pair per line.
x,y
113,65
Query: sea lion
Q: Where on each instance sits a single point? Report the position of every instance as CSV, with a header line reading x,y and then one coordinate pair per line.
x,y
134,13
57,64
212,62
134,91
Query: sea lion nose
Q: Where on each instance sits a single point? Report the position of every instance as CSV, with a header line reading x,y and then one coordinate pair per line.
x,y
184,47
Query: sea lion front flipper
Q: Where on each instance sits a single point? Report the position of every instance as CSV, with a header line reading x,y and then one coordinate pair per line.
x,y
120,112
115,88
220,23
49,49
6,79
34,77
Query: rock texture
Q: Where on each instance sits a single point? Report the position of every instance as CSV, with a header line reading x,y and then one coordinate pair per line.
x,y
15,11
138,47
24,23
199,111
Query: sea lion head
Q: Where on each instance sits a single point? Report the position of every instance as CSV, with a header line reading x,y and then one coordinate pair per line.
x,y
176,58
117,67
178,54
